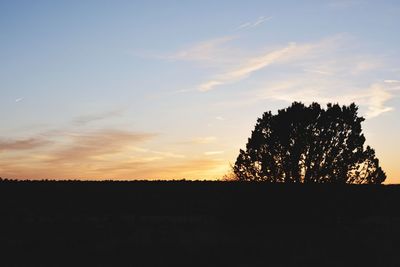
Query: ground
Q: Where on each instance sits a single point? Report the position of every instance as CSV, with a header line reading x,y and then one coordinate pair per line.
x,y
198,224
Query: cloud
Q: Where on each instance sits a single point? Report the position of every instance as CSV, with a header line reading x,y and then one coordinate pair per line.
x,y
308,89
319,71
252,24
163,154
376,101
145,168
130,166
364,66
220,118
74,155
212,153
101,154
204,140
84,146
251,65
391,81
24,144
19,99
194,169
85,119
342,4
167,154
292,52
213,50
340,60
329,70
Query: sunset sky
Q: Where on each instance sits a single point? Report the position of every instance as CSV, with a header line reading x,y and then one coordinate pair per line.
x,y
172,89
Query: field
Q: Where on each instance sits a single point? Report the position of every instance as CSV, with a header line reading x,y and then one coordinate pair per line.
x,y
197,224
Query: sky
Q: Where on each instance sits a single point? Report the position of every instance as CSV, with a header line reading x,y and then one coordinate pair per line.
x,y
173,89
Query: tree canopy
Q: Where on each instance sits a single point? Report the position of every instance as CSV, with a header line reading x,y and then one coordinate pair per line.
x,y
309,144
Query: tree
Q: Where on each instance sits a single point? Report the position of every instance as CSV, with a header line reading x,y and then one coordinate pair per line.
x,y
310,144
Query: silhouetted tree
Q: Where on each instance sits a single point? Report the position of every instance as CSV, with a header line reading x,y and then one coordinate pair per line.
x,y
310,144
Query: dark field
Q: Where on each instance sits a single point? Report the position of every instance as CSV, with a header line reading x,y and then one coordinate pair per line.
x,y
197,224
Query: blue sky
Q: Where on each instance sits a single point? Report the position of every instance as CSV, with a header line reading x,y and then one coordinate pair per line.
x,y
172,89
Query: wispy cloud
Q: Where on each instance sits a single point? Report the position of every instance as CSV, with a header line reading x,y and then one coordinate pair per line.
x,y
85,119
247,62
329,70
287,53
214,50
24,144
290,53
307,89
204,140
252,24
73,155
343,4
376,101
161,154
363,66
319,71
102,154
195,169
341,60
212,153
83,146
392,81
251,65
